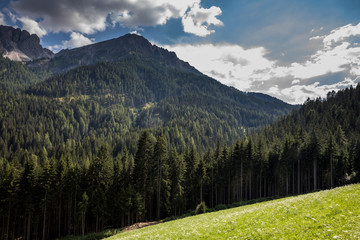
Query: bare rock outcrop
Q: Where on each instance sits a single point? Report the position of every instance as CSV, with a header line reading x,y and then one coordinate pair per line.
x,y
20,45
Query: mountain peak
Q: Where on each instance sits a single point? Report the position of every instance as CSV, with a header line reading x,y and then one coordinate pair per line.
x,y
129,45
20,45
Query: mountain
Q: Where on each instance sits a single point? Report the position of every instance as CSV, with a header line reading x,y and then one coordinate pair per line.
x,y
152,87
20,45
161,96
111,51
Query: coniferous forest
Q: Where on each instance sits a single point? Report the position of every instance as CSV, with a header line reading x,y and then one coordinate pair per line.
x,y
99,147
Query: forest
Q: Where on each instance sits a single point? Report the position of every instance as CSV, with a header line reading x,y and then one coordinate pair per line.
x,y
107,145
80,186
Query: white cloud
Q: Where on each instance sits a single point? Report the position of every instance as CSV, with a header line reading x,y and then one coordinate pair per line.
x,y
32,26
300,93
135,32
317,29
230,64
2,19
94,15
198,20
340,34
296,81
76,40
251,69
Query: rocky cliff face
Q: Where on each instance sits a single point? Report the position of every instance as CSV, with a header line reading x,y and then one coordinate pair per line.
x,y
20,45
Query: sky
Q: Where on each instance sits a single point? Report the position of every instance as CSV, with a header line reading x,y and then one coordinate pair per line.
x,y
289,49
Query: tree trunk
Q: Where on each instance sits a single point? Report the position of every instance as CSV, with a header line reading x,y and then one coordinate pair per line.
x,y
250,186
241,181
97,223
8,224
83,223
212,187
287,183
158,190
331,173
59,226
293,179
229,189
315,174
28,227
44,223
69,215
298,175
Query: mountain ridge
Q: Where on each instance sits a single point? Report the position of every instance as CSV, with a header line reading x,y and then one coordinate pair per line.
x,y
20,45
112,50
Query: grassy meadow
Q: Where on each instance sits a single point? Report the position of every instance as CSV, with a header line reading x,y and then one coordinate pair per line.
x,y
330,214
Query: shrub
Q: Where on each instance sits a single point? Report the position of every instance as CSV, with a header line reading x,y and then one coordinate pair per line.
x,y
220,207
200,208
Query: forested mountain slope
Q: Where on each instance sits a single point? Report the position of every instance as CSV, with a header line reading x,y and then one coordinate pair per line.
x,y
15,76
315,147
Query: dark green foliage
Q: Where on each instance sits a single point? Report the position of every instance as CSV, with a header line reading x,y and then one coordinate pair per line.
x,y
15,76
189,107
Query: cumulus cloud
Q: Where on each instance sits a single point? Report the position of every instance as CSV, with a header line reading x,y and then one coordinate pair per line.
x,y
198,20
252,70
76,40
32,26
93,15
340,34
229,63
300,93
135,32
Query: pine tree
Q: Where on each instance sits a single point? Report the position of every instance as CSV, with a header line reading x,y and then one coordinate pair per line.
x,y
47,183
143,171
177,174
28,191
83,205
161,158
99,177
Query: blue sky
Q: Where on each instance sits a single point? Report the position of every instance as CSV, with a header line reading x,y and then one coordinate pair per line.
x,y
289,49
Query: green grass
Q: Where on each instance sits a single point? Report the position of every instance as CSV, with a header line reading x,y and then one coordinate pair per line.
x,y
331,214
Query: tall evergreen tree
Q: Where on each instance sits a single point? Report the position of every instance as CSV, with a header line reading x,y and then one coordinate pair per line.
x,y
162,167
144,169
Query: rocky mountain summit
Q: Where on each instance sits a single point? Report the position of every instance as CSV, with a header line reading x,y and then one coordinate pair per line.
x,y
129,45
20,45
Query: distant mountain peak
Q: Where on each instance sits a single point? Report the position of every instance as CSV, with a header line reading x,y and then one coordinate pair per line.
x,y
20,45
129,45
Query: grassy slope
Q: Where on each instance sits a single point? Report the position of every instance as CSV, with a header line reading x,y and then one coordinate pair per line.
x,y
332,214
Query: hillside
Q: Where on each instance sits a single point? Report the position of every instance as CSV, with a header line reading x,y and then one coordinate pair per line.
x,y
331,214
15,76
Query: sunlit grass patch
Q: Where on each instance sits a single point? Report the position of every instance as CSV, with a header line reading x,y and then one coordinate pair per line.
x,y
331,214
